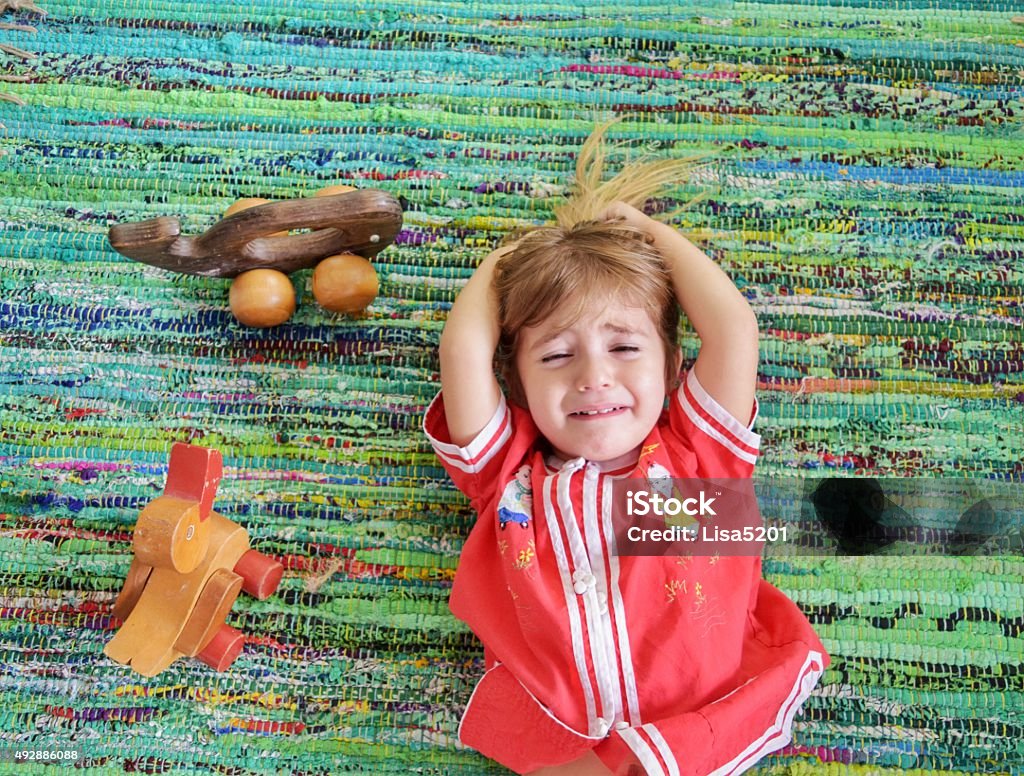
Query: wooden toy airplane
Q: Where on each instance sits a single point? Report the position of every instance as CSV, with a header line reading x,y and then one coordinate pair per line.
x,y
363,221
190,563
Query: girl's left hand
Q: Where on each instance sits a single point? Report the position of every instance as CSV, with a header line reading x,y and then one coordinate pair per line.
x,y
628,213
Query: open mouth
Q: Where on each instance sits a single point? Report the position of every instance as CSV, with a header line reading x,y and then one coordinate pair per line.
x,y
597,413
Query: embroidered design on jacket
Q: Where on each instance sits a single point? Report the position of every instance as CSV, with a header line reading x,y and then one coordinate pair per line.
x,y
660,481
525,556
516,503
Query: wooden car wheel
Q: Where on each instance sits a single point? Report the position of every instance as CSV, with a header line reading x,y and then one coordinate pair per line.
x,y
260,574
222,650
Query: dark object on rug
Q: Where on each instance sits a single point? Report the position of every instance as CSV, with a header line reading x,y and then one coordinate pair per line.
x,y
852,510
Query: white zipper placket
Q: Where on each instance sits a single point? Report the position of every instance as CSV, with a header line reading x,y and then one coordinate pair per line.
x,y
554,525
584,584
597,541
625,653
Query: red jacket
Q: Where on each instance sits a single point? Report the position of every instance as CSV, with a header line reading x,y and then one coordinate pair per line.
x,y
691,665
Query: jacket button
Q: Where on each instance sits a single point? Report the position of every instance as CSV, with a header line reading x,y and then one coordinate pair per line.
x,y
583,581
621,724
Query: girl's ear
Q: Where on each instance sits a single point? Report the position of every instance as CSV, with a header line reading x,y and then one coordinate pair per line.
x,y
672,376
509,377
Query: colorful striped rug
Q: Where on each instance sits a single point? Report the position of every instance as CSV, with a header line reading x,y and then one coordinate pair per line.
x,y
866,194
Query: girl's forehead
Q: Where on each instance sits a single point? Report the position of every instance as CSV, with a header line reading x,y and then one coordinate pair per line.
x,y
608,317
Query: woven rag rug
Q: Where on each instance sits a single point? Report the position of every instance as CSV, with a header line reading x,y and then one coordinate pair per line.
x,y
865,191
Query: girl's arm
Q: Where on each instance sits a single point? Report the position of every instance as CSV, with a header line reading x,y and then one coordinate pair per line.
x,y
470,337
726,365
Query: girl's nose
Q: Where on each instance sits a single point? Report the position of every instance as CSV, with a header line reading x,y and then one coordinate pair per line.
x,y
593,375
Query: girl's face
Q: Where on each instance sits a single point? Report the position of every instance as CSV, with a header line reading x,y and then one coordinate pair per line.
x,y
595,388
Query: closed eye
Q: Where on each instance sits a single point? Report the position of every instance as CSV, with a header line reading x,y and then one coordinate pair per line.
x,y
625,349
553,357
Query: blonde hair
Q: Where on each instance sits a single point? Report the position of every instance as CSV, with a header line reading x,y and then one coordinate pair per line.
x,y
581,261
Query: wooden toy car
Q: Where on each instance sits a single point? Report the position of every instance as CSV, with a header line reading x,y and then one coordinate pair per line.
x,y
363,221
190,563
340,227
